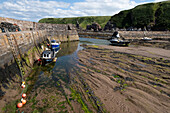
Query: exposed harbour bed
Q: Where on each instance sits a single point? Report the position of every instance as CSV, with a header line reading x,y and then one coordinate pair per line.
x,y
128,79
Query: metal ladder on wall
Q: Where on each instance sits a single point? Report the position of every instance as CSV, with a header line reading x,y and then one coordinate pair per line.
x,y
14,49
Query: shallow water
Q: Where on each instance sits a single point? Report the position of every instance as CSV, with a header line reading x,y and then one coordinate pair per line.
x,y
67,61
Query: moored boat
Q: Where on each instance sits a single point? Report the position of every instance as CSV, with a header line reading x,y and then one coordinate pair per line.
x,y
116,40
146,39
119,42
55,44
47,56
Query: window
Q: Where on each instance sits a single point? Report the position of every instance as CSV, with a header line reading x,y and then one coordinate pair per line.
x,y
44,55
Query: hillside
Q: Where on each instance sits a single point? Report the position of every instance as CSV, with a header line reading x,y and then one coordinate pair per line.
x,y
152,15
83,21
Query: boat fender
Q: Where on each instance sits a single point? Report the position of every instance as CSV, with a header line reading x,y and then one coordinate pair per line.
x,y
23,86
24,95
23,101
19,105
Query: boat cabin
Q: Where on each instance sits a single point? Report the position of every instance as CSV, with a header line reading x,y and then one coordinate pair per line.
x,y
47,54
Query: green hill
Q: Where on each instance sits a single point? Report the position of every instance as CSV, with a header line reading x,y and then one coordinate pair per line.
x,y
83,21
153,15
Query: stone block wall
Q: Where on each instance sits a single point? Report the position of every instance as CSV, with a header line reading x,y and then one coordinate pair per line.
x,y
23,40
141,34
59,32
161,35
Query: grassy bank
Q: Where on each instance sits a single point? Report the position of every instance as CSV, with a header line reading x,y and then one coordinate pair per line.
x,y
83,21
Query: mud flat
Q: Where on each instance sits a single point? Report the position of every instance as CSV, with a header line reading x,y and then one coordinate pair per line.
x,y
127,79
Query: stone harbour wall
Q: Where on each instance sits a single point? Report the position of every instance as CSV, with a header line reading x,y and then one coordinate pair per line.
x,y
141,34
61,32
23,40
165,35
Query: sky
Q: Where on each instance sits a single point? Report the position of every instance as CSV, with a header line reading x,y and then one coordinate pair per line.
x,y
34,10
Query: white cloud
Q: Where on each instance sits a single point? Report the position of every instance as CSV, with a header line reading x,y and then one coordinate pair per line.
x,y
30,9
103,7
160,0
34,10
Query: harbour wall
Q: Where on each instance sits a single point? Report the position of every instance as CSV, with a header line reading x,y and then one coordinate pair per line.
x,y
164,35
61,32
24,41
141,34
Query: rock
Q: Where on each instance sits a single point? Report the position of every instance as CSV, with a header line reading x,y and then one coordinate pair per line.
x,y
94,26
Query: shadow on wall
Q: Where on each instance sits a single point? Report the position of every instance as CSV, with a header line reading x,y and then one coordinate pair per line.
x,y
6,76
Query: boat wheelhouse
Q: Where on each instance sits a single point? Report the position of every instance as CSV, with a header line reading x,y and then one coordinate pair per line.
x,y
47,56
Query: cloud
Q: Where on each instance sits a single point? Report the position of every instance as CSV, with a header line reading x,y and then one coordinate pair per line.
x,y
102,7
30,9
160,0
33,10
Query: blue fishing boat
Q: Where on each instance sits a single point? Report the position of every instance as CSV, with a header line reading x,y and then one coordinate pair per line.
x,y
55,44
56,50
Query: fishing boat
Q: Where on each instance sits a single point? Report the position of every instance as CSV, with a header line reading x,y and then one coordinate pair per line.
x,y
116,40
119,42
56,50
146,39
55,45
47,56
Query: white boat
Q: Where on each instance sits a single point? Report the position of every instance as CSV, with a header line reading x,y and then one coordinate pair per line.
x,y
47,56
146,39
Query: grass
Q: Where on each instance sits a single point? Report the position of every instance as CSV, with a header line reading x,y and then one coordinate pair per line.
x,y
83,21
153,14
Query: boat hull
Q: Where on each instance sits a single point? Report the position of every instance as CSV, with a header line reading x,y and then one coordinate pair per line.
x,y
47,61
55,46
120,43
